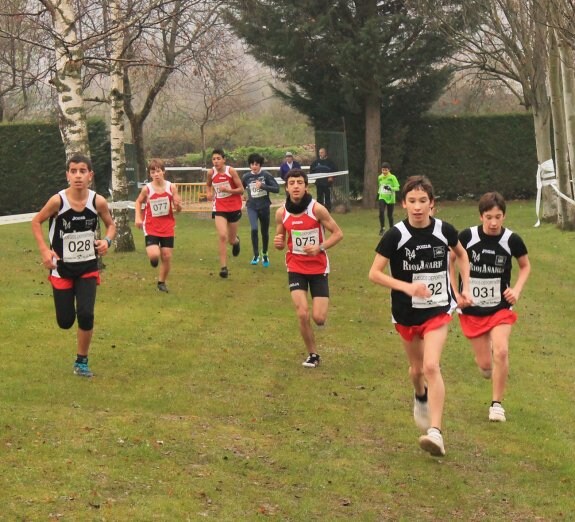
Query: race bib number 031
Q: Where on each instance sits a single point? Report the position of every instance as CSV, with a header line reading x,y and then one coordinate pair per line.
x,y
160,206
437,285
485,292
302,238
78,247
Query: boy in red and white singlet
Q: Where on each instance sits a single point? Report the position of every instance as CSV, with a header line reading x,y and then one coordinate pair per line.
x,y
225,188
160,197
301,223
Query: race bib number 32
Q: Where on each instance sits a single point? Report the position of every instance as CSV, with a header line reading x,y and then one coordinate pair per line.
x,y
78,247
437,285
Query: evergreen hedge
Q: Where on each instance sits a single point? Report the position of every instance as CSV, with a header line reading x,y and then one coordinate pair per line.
x,y
34,164
467,156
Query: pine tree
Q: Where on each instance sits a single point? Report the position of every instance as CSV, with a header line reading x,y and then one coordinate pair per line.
x,y
355,60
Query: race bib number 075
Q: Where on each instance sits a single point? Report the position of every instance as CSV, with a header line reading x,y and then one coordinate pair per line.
x,y
302,238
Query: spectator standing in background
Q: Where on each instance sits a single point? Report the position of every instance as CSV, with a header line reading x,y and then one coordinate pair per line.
x,y
323,165
288,164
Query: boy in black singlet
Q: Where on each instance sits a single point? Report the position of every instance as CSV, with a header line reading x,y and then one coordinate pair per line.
x,y
422,300
72,255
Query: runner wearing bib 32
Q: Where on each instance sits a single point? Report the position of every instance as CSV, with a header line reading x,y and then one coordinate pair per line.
x,y
422,300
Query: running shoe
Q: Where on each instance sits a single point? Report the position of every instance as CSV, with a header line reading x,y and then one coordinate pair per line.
x,y
486,373
236,248
154,262
224,272
381,231
421,414
312,361
162,287
255,260
265,260
497,413
82,370
432,442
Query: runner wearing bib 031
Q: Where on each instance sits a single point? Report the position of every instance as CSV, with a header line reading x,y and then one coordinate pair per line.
x,y
490,260
159,217
304,229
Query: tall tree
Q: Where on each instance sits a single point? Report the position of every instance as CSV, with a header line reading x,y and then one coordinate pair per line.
x,y
340,58
509,46
176,33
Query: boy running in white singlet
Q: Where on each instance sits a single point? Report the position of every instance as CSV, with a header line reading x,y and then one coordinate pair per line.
x,y
422,300
301,223
487,324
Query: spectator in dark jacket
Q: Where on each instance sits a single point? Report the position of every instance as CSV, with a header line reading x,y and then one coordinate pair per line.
x,y
323,185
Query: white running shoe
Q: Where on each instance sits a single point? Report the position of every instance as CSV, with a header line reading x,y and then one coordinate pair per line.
x,y
497,413
432,442
421,415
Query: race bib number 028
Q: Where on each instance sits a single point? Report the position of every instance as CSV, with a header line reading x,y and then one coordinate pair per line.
x,y
437,285
78,247
302,238
160,206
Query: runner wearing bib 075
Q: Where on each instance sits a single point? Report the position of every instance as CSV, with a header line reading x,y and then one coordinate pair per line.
x,y
301,224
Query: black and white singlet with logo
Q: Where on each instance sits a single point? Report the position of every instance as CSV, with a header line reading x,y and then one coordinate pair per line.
x,y
490,260
72,236
420,255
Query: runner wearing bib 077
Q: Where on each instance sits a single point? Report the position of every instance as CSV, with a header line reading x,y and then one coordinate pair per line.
x,y
417,251
488,322
159,199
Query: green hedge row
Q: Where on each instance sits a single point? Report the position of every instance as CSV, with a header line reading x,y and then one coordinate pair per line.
x,y
34,164
467,156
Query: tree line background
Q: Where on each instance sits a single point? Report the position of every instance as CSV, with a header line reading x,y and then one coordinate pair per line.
x,y
162,68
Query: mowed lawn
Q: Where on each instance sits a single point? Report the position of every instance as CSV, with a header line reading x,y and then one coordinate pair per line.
x,y
200,408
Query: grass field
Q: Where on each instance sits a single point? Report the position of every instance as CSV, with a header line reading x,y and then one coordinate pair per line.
x,y
200,408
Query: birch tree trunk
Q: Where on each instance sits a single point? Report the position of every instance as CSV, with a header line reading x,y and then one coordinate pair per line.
x,y
67,79
568,109
124,240
559,130
541,107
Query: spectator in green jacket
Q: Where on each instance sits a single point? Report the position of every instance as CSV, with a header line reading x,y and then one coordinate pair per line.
x,y
387,186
